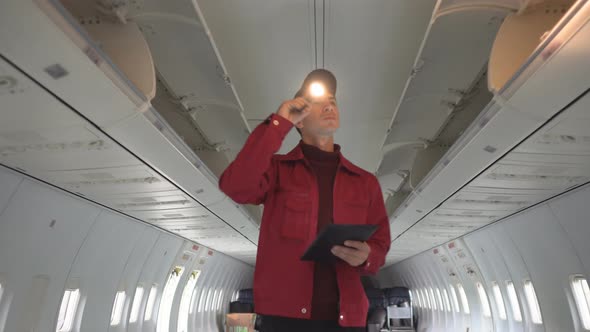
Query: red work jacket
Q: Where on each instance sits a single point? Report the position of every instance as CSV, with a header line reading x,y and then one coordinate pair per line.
x,y
286,185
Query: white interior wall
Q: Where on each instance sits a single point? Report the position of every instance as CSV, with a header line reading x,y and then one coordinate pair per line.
x,y
50,240
546,244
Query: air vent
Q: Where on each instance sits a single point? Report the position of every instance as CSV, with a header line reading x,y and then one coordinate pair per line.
x,y
180,218
98,176
173,215
153,204
149,179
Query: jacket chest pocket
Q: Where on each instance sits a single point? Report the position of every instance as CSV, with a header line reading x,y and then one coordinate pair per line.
x,y
352,212
296,217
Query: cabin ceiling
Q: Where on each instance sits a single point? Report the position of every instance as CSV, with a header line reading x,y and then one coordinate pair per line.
x,y
269,47
411,79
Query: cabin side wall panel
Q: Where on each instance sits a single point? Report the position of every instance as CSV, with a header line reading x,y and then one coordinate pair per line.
x,y
51,241
40,234
546,244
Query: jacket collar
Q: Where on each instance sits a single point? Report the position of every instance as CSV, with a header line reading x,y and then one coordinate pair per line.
x,y
297,154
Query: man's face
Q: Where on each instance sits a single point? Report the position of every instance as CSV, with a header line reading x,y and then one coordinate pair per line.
x,y
324,117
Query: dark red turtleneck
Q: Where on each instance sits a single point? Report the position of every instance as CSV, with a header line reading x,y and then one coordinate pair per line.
x,y
325,289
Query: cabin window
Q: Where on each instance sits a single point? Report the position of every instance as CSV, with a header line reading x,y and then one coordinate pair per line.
x,y
411,297
194,301
202,299
439,298
582,296
433,300
151,302
531,298
136,304
483,297
454,298
186,301
220,300
463,297
499,300
67,310
447,302
208,300
418,299
215,299
426,298
514,301
168,299
118,306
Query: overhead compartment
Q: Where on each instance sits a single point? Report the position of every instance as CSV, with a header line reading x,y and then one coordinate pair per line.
x,y
194,77
444,94
122,40
525,147
521,33
95,134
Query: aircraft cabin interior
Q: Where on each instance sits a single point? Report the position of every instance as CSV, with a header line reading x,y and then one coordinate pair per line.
x,y
119,117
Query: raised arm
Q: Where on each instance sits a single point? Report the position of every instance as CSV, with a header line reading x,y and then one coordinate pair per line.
x,y
249,177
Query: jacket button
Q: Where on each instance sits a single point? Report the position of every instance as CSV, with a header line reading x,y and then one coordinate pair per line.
x,y
275,122
341,317
368,264
303,311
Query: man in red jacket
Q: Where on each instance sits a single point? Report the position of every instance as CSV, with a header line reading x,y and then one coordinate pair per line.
x,y
304,191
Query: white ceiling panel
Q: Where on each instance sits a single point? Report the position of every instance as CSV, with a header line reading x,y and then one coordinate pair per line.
x,y
39,134
267,48
371,46
267,65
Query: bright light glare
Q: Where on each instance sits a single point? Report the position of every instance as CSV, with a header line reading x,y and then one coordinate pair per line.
x,y
317,89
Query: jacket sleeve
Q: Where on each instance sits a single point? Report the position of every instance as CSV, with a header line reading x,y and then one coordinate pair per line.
x,y
248,178
381,240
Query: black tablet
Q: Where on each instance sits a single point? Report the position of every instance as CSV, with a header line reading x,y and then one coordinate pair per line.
x,y
321,248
